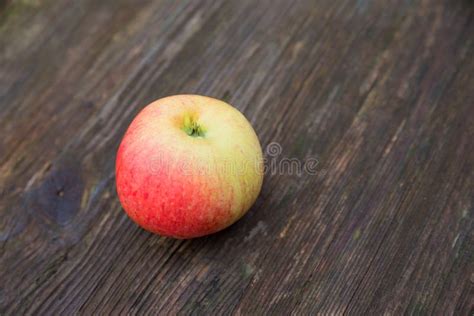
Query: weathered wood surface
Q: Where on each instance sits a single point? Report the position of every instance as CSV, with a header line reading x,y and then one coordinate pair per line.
x,y
380,92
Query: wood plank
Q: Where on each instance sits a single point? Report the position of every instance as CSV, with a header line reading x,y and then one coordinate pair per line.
x,y
380,93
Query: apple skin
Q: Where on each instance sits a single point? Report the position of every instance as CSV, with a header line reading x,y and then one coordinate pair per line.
x,y
188,166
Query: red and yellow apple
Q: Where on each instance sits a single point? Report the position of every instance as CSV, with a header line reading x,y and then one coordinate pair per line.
x,y
188,166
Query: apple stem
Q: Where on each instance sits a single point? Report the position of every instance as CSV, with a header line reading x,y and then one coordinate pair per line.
x,y
192,128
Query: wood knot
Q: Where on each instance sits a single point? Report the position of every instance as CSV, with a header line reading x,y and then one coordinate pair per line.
x,y
55,195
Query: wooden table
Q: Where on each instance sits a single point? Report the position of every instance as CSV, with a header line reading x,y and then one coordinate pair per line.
x,y
380,93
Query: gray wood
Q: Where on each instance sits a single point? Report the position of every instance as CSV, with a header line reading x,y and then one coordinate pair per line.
x,y
380,92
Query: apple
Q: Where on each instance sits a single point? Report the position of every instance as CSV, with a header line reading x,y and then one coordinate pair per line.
x,y
188,166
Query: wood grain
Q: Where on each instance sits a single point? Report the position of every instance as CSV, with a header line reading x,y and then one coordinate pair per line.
x,y
379,92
